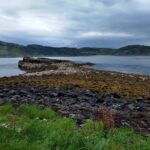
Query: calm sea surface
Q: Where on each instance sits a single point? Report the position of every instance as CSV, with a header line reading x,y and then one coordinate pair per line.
x,y
125,64
9,67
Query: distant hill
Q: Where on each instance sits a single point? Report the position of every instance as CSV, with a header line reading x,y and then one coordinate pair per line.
x,y
16,50
133,50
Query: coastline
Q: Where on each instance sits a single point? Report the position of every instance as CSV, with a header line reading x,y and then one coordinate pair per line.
x,y
78,93
69,72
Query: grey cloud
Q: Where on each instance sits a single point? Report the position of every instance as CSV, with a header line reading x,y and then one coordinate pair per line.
x,y
104,23
110,42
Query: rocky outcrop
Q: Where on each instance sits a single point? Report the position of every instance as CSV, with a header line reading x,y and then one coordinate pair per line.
x,y
81,104
50,66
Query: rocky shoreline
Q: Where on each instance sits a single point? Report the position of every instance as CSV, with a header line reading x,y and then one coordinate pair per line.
x,y
45,66
81,104
79,94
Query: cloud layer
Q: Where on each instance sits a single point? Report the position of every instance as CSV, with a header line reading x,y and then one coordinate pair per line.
x,y
79,23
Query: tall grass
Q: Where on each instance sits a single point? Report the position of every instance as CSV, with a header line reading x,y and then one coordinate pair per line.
x,y
32,128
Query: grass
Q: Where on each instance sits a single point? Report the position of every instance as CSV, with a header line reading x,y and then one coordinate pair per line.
x,y
32,128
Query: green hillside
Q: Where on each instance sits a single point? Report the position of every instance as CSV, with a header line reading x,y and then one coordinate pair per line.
x,y
16,50
133,50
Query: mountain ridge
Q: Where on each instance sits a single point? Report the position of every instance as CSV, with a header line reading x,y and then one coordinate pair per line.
x,y
15,50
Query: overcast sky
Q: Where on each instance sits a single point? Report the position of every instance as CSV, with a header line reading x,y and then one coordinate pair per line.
x,y
75,23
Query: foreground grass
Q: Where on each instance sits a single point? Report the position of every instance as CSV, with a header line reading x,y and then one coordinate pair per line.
x,y
32,128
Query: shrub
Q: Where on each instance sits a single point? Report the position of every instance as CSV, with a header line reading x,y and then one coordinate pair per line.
x,y
5,109
47,113
29,111
32,133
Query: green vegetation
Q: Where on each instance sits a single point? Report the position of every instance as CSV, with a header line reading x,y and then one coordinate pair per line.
x,y
133,50
32,128
14,50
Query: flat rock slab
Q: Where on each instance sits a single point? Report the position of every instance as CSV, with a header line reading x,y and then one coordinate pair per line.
x,y
40,66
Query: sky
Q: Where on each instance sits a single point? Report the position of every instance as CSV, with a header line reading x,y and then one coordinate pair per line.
x,y
75,23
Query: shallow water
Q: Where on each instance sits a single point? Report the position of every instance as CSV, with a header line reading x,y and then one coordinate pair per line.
x,y
125,64
9,67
